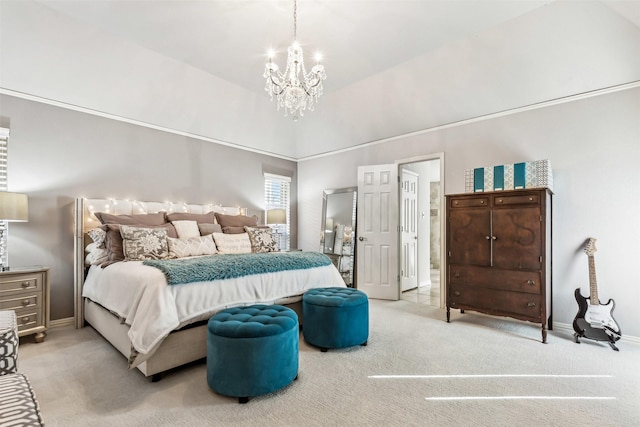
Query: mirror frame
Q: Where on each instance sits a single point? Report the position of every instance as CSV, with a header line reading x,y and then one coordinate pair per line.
x,y
325,195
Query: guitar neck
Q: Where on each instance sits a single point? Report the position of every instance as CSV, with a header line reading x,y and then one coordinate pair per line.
x,y
593,284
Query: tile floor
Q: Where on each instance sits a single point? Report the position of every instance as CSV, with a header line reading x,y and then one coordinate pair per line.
x,y
429,295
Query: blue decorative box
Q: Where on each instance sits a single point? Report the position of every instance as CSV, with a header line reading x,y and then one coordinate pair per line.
x,y
533,174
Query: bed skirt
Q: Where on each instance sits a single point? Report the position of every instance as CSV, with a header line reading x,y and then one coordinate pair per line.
x,y
179,348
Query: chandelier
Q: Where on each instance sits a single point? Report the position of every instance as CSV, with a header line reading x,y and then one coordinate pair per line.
x,y
295,90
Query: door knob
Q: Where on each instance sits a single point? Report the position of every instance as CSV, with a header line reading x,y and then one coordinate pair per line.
x,y
362,239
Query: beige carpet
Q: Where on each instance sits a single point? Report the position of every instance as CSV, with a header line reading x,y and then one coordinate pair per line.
x,y
475,371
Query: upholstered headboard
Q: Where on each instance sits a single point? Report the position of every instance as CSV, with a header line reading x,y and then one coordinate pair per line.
x,y
85,220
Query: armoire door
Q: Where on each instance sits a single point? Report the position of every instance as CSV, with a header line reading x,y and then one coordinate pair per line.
x,y
469,235
517,237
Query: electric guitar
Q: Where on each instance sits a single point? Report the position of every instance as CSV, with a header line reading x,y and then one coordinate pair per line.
x,y
594,320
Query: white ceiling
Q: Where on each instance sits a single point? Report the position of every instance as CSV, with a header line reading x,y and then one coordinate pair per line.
x,y
229,39
362,42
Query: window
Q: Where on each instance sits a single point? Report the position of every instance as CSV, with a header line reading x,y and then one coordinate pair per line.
x,y
277,191
4,142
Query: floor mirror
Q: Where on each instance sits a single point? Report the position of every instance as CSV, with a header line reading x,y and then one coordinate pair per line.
x,y
338,234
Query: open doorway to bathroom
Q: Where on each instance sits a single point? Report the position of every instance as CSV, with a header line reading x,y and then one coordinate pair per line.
x,y
421,199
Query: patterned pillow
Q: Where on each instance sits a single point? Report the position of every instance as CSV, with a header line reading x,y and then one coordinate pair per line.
x,y
201,245
98,236
139,243
232,243
262,239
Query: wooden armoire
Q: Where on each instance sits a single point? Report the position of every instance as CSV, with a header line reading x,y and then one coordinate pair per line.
x,y
498,254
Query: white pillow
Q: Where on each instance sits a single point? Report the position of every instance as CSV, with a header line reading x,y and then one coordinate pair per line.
x,y
95,254
232,243
201,245
186,229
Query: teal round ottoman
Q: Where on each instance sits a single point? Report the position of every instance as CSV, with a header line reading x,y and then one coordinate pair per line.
x,y
252,350
335,317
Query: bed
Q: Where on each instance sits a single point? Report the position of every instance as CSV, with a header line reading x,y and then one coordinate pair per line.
x,y
155,311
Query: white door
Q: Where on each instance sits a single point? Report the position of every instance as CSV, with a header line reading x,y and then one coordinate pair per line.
x,y
377,250
408,230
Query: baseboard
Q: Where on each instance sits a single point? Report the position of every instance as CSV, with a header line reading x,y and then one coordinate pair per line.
x,y
425,283
60,323
564,327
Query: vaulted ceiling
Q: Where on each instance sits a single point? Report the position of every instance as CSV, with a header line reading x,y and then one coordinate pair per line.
x,y
393,66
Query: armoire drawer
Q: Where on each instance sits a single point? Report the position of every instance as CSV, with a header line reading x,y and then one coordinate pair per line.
x,y
492,278
495,301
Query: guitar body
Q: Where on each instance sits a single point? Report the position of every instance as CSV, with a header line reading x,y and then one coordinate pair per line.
x,y
595,322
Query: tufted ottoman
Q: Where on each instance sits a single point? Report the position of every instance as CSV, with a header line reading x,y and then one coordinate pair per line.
x,y
252,350
8,342
18,403
335,317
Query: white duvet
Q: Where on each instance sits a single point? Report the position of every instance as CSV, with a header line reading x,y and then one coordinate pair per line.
x,y
140,296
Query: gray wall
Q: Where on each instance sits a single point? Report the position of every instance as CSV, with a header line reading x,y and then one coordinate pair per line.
x,y
57,155
594,148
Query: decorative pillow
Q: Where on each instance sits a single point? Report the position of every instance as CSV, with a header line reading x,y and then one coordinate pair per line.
x,y
232,243
95,254
186,229
206,229
98,236
114,243
233,230
140,243
262,240
238,230
207,218
236,220
201,245
137,219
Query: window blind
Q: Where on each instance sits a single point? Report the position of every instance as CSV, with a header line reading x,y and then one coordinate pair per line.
x,y
277,195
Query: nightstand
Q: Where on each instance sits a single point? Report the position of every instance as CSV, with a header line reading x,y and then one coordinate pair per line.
x,y
26,291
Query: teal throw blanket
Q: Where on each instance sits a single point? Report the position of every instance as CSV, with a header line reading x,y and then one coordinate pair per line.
x,y
229,266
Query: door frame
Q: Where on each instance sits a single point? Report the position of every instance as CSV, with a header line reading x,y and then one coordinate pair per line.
x,y
435,156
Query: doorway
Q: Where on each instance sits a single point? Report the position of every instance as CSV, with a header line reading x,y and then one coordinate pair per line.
x,y
421,230
379,262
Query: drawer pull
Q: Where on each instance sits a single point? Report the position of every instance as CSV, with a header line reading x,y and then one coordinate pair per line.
x,y
487,237
25,302
457,293
456,274
531,282
25,319
531,199
499,200
25,284
494,238
531,304
482,202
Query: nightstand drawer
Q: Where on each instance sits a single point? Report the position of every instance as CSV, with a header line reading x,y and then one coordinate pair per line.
x,y
28,318
21,282
25,290
22,300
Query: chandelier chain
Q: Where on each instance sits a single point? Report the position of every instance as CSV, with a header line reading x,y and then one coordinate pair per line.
x,y
295,20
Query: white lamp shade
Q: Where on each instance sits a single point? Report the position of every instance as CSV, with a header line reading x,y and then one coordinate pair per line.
x,y
276,216
13,207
